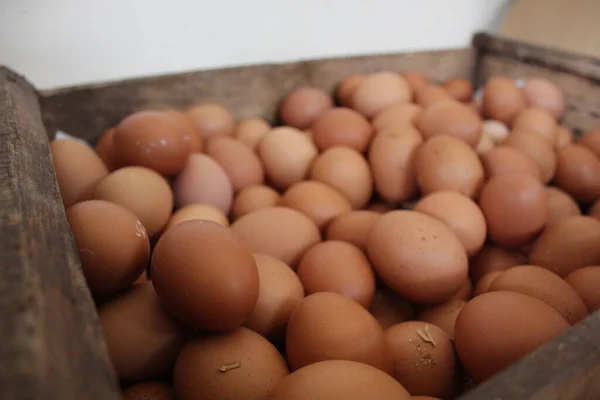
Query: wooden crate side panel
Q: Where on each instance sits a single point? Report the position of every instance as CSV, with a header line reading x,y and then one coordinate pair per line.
x,y
50,341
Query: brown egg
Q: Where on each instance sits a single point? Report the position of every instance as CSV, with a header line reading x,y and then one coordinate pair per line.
x,y
329,326
594,210
379,91
568,245
507,159
520,325
560,205
486,143
465,292
447,163
318,201
502,100
443,315
152,139
545,286
149,391
205,275
424,359
211,120
303,105
142,191
416,81
286,154
352,227
515,208
112,243
591,140
346,88
390,309
192,136
203,180
564,137
396,115
483,285
497,130
142,339
197,211
339,380
578,173
280,232
106,151
450,118
347,171
280,291
538,149
542,93
250,131
585,281
461,214
338,267
493,258
254,198
431,95
392,161
242,165
538,121
460,89
430,265
78,170
342,127
239,364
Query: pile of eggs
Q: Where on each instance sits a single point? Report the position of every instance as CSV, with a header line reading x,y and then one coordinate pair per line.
x,y
403,240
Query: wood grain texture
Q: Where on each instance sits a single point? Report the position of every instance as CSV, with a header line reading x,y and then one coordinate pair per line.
x,y
50,341
87,111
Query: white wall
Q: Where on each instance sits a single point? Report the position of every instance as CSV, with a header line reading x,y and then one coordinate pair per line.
x,y
64,42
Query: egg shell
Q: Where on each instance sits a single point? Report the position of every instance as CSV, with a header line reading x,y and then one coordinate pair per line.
x,y
591,140
192,136
447,163
389,308
142,191
497,130
396,115
379,91
502,100
560,205
431,95
392,161
416,80
338,267
564,137
242,165
254,198
250,131
352,227
461,214
239,364
142,339
538,121
417,256
568,245
465,292
443,315
483,285
497,329
345,90
493,258
329,326
203,180
515,208
105,150
152,139
112,243
347,171
280,232
318,201
424,359
78,170
280,291
459,89
503,158
197,211
303,105
149,391
486,143
205,275
450,118
538,149
339,380
578,173
286,154
585,281
543,93
211,120
342,127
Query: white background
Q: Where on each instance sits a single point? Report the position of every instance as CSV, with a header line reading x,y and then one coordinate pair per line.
x,y
57,43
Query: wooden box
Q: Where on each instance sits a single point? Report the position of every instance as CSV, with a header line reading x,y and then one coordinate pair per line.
x,y
50,342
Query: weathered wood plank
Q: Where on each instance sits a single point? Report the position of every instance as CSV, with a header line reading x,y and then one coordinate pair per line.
x,y
50,341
